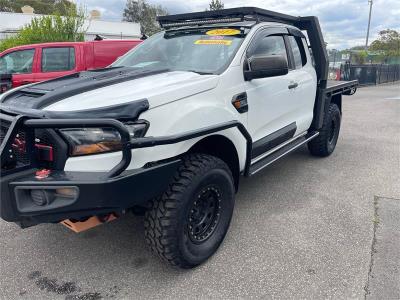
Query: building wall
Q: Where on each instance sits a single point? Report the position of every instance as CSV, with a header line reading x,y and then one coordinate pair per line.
x,y
10,23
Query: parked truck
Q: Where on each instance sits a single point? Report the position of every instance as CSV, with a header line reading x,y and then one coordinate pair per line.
x,y
170,128
40,62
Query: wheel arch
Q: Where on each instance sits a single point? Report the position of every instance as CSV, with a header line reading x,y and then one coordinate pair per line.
x,y
337,99
222,147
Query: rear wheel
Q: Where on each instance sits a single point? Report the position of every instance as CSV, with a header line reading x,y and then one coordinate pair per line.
x,y
186,225
325,143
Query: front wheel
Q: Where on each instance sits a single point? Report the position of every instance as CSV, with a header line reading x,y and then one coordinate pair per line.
x,y
325,143
186,225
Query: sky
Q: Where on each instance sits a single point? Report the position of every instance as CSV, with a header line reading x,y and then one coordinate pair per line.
x,y
344,23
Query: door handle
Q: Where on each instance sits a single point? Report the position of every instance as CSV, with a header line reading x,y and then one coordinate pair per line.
x,y
293,85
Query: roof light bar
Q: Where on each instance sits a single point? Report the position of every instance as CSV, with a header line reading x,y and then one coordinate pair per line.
x,y
226,16
201,22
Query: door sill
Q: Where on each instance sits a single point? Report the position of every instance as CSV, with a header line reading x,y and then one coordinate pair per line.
x,y
282,150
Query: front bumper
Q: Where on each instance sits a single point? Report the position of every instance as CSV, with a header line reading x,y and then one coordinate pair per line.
x,y
96,193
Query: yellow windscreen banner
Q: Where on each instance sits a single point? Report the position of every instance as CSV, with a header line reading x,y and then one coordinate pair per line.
x,y
213,42
223,31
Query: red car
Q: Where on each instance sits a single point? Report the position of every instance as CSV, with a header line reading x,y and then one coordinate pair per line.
x,y
39,62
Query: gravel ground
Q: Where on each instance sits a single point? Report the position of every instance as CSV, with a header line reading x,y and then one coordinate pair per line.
x,y
303,228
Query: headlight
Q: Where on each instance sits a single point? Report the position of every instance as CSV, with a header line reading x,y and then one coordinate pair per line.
x,y
84,141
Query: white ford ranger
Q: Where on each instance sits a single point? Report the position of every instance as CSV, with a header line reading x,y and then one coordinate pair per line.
x,y
170,127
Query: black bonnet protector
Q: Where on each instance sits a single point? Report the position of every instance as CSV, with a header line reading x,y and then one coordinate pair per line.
x,y
33,100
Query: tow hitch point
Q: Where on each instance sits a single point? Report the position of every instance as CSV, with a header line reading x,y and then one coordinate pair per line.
x,y
89,223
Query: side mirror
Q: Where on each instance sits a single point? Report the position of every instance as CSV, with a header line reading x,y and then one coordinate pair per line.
x,y
262,66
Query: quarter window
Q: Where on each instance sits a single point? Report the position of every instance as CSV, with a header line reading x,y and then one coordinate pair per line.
x,y
58,59
298,52
17,62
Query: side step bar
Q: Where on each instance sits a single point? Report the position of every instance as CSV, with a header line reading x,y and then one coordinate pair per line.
x,y
281,152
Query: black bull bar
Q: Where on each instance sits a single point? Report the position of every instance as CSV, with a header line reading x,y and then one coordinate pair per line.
x,y
99,193
127,143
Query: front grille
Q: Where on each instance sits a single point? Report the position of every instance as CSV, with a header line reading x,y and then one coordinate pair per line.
x,y
3,130
25,148
15,154
19,149
42,136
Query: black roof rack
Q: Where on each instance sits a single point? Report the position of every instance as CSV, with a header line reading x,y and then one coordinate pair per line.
x,y
226,16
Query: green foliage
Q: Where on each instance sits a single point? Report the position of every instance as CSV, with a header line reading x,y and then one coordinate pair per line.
x,y
388,42
60,7
360,57
385,49
140,11
54,28
216,5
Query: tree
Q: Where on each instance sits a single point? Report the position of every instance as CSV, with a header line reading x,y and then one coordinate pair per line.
x,y
140,11
216,5
359,57
45,7
52,28
388,42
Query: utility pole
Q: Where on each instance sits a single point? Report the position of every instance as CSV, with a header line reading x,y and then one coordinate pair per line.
x,y
370,2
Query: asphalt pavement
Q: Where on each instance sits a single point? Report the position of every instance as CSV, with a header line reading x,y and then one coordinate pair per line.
x,y
305,227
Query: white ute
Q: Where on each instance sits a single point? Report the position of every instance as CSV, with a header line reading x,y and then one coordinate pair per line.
x,y
170,127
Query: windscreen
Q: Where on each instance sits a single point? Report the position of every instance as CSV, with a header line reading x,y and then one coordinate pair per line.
x,y
206,51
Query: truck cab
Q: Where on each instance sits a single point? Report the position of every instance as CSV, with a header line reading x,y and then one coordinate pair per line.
x,y
170,128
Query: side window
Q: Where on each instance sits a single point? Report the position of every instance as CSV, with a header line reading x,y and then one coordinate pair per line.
x,y
308,48
17,62
271,45
58,59
298,51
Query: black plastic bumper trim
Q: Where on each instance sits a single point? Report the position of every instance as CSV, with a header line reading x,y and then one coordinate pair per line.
x,y
97,193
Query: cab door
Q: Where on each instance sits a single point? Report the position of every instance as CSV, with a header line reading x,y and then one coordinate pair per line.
x,y
303,77
56,61
21,64
271,115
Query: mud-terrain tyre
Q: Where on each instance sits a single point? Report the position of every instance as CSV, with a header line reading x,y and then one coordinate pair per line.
x,y
187,224
324,144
